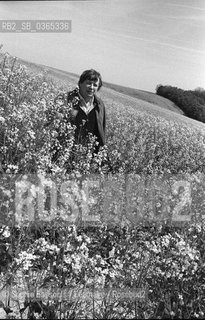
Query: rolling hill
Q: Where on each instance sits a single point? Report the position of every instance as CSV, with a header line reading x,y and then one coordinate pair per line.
x,y
143,101
145,96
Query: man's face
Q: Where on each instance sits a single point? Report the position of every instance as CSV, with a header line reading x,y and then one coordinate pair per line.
x,y
88,88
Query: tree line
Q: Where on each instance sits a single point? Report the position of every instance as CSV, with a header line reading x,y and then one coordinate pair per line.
x,y
191,102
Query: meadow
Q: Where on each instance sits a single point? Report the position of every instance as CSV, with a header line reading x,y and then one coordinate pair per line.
x,y
88,254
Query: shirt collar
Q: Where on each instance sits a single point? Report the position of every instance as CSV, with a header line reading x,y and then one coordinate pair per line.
x,y
84,102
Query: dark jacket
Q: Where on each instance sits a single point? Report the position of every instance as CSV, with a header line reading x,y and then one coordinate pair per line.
x,y
77,116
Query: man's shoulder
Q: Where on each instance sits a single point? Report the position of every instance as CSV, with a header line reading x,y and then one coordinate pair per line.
x,y
72,94
99,101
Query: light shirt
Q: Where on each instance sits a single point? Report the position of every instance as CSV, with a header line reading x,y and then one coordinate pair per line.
x,y
86,106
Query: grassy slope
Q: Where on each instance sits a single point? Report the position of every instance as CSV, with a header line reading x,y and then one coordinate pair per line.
x,y
113,97
146,96
137,99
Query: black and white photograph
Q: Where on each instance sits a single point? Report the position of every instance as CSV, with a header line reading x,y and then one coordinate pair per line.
x,y
102,159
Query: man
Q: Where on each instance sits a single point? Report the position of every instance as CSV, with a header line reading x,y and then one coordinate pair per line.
x,y
87,111
83,109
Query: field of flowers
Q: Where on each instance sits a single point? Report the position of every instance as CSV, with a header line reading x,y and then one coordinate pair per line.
x,y
55,266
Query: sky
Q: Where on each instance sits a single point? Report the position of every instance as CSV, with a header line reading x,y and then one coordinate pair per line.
x,y
135,43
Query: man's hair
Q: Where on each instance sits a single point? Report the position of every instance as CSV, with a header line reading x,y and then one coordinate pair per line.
x,y
91,75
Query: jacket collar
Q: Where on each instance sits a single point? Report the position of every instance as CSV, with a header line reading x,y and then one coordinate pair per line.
x,y
96,102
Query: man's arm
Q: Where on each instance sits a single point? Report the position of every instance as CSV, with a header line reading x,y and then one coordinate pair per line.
x,y
104,120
